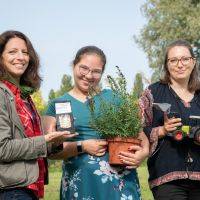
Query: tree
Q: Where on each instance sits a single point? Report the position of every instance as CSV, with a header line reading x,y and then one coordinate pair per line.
x,y
52,95
138,84
66,85
39,102
168,20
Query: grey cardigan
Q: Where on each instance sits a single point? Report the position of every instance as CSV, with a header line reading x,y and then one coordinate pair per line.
x,y
18,154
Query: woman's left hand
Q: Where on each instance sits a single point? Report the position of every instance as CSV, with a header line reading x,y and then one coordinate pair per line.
x,y
58,136
136,153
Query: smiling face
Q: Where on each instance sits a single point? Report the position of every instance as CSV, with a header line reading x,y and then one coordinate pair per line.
x,y
15,57
185,63
91,63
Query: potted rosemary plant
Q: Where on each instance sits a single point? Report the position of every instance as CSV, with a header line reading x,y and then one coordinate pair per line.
x,y
119,120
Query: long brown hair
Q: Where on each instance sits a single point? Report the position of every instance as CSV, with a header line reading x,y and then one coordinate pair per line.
x,y
194,81
31,76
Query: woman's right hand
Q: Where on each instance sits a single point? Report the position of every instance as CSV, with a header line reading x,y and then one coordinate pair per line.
x,y
95,147
170,125
58,136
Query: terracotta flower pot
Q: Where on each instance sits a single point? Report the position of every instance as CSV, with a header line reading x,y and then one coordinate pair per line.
x,y
115,145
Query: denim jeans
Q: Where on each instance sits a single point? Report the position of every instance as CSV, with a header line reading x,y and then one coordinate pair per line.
x,y
17,194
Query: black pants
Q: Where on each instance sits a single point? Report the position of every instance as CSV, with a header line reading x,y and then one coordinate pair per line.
x,y
178,190
17,194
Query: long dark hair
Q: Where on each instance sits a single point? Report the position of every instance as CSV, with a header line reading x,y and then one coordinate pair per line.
x,y
194,81
31,76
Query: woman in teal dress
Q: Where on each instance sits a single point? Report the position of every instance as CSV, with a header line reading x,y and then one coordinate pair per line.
x,y
87,174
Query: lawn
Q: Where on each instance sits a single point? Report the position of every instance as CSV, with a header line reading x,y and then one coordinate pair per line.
x,y
143,178
52,190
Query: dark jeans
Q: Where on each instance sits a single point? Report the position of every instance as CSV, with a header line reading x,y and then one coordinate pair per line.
x,y
178,190
17,194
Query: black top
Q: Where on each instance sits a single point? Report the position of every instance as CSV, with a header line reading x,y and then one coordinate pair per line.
x,y
171,159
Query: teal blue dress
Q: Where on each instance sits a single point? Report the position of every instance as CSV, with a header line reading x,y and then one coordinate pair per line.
x,y
87,177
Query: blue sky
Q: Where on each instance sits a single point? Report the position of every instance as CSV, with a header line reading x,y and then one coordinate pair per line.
x,y
59,28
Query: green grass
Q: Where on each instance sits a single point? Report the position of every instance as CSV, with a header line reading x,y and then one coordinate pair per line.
x,y
52,190
143,178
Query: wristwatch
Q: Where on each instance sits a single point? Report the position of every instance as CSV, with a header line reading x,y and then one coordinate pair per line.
x,y
79,147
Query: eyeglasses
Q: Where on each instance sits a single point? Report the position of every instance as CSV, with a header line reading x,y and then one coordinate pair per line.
x,y
84,70
183,60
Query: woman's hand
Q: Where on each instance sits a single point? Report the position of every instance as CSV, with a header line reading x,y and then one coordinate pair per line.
x,y
136,153
58,136
95,147
170,125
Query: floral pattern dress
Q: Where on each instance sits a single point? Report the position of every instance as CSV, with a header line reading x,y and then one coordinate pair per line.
x,y
87,177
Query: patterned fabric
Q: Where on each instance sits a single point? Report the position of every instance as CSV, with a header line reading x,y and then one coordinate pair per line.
x,y
175,176
169,159
32,126
146,105
88,177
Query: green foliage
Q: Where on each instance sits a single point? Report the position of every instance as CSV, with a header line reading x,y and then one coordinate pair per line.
x,y
138,85
40,104
117,118
168,20
52,94
66,86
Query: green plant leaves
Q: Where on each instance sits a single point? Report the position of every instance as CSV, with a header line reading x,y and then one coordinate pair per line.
x,y
120,116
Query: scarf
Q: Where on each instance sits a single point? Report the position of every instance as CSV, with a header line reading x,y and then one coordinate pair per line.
x,y
25,91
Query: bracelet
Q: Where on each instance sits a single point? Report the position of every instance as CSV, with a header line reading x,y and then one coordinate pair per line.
x,y
79,147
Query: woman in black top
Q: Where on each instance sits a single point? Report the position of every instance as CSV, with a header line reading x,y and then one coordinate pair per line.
x,y
174,165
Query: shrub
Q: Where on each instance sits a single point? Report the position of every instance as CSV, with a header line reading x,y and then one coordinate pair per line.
x,y
117,119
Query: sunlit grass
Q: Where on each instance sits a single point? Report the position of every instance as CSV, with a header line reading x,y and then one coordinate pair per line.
x,y
143,178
